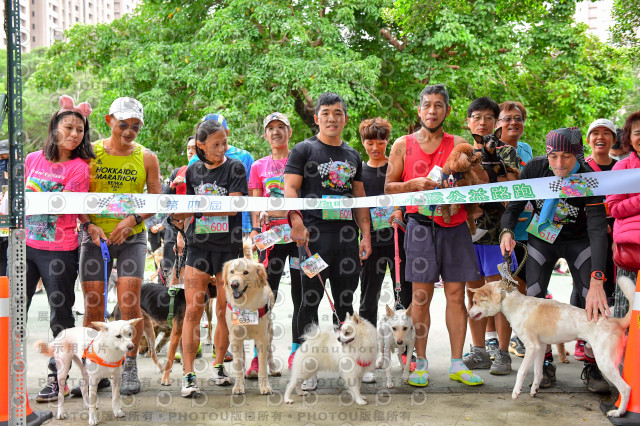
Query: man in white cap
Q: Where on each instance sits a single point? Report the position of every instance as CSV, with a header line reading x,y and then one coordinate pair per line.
x,y
121,166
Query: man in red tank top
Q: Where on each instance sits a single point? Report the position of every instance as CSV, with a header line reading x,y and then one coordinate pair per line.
x,y
434,248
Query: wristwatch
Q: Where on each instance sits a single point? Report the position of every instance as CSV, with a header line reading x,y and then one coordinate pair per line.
x,y
138,218
85,226
598,275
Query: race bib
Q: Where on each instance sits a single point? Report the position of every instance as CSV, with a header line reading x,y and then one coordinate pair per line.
x,y
429,210
294,262
212,224
244,317
380,217
284,232
336,214
549,234
313,265
266,239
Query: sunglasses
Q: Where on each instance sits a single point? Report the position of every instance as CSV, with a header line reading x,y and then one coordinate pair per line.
x,y
123,125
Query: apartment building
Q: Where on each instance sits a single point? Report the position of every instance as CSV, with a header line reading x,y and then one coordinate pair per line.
x,y
597,16
42,22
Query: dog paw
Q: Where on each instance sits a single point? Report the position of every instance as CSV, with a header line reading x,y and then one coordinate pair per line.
x,y
515,394
61,415
390,383
266,390
275,373
118,413
361,401
288,401
165,382
237,390
613,413
93,420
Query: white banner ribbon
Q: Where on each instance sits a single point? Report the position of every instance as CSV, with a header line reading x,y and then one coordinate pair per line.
x,y
581,185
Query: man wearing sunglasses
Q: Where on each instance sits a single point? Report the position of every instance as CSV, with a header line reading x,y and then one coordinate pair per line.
x,y
122,166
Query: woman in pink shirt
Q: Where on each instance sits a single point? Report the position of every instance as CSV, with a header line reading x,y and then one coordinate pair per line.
x,y
52,240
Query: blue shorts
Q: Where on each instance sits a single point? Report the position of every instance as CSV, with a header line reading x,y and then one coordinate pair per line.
x,y
489,256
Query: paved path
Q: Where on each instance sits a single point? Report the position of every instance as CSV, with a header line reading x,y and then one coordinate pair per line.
x,y
442,402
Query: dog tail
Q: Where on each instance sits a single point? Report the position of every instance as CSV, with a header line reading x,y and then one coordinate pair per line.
x,y
42,347
628,288
247,248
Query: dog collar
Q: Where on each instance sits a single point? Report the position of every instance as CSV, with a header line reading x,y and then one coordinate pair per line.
x,y
261,312
363,364
94,357
452,178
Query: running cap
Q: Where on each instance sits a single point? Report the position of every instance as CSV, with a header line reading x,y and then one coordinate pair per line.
x,y
273,117
603,122
217,117
125,108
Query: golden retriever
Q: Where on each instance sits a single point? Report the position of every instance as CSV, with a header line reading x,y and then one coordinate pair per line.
x,y
249,300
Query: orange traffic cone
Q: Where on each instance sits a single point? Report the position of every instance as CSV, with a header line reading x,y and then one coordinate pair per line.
x,y
631,369
34,418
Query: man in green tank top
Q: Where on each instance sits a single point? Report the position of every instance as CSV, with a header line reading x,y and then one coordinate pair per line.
x,y
121,167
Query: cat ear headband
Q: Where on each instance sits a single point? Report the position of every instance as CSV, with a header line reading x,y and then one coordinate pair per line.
x,y
67,104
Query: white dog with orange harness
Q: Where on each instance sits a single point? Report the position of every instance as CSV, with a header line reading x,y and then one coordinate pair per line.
x,y
103,352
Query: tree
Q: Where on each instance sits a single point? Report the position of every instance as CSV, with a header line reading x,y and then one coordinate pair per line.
x,y
248,58
626,31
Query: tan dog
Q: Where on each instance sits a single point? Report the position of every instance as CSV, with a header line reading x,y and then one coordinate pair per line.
x,y
539,322
457,172
249,300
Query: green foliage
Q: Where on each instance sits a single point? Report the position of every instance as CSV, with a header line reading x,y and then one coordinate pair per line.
x,y
626,31
246,59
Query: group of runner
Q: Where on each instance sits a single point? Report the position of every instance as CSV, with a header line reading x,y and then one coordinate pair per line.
x,y
357,244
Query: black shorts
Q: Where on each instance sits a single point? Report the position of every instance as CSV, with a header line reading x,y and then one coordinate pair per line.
x,y
208,261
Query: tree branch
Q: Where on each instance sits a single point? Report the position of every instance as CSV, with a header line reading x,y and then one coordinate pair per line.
x,y
391,39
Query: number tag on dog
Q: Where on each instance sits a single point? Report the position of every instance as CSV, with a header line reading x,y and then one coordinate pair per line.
x,y
380,217
336,214
313,265
266,239
284,231
244,317
212,224
549,235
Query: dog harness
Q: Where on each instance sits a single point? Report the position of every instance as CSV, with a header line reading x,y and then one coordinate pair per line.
x,y
261,312
94,357
172,296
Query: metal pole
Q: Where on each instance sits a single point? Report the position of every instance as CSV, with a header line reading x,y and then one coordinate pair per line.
x,y
16,259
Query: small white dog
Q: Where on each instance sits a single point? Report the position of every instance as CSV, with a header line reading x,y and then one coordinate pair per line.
x,y
351,351
395,332
104,352
539,322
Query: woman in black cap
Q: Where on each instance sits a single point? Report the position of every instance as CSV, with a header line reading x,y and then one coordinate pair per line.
x,y
571,228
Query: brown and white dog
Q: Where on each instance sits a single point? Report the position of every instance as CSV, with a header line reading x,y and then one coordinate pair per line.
x,y
457,172
249,302
539,322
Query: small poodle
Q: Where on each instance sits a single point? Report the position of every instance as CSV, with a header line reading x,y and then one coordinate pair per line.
x,y
457,172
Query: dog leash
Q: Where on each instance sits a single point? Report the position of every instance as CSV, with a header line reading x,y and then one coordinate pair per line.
x,y
505,271
106,258
333,308
397,224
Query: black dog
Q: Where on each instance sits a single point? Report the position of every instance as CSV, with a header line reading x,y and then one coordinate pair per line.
x,y
491,161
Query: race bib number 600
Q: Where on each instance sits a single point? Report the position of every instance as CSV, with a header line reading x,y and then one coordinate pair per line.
x,y
212,224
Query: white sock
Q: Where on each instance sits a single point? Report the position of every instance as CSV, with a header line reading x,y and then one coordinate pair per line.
x,y
490,335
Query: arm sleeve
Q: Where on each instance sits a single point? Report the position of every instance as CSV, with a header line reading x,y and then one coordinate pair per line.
x,y
297,160
597,231
238,181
